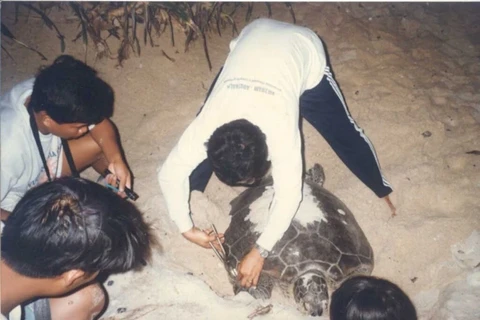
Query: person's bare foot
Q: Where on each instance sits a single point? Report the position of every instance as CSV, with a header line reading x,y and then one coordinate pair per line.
x,y
391,206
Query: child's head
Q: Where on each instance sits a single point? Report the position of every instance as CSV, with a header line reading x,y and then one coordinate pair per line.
x,y
238,153
69,91
370,298
72,224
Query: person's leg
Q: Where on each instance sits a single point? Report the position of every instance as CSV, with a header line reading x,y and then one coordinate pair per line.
x,y
200,176
85,153
84,304
324,107
202,173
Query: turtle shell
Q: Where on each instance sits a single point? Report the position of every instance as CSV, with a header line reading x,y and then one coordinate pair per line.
x,y
323,236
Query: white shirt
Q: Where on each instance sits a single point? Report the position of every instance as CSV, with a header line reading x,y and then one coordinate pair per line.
x,y
270,65
15,314
21,165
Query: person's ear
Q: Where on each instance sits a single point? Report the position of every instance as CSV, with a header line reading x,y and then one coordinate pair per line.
x,y
73,278
45,119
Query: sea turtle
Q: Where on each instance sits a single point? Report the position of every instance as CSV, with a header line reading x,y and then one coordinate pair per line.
x,y
323,245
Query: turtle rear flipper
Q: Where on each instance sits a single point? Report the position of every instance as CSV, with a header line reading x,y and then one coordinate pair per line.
x,y
311,293
315,174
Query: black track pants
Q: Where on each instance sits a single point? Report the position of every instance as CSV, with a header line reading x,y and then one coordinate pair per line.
x,y
325,109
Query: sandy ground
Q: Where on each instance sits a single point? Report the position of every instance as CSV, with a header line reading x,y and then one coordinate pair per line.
x,y
410,75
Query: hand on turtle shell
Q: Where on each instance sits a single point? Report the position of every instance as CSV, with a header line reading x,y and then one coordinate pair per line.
x,y
203,238
249,269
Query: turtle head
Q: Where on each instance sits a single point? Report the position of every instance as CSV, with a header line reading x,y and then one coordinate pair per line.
x,y
311,293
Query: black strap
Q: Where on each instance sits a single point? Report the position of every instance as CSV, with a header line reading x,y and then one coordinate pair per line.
x,y
66,148
68,155
36,135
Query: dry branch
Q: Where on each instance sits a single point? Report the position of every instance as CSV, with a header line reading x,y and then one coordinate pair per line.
x,y
99,21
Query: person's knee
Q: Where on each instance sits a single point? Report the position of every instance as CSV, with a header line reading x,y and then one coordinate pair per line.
x,y
84,304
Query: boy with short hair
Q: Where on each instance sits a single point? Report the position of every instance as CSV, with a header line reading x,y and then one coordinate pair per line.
x,y
370,298
59,237
67,100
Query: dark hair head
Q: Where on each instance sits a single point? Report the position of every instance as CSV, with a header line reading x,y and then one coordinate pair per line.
x,y
72,223
370,298
69,91
238,152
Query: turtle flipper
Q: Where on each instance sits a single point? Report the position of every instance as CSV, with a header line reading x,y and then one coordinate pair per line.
x,y
311,293
263,290
315,174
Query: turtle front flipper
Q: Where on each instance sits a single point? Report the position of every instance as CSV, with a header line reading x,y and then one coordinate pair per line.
x,y
311,293
263,290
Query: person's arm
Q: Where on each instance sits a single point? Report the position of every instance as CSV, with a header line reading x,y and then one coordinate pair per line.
x,y
288,195
287,178
105,136
10,172
175,186
174,174
5,192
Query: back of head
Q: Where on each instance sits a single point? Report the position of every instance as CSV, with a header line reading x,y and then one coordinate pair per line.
x,y
238,152
72,223
370,298
69,91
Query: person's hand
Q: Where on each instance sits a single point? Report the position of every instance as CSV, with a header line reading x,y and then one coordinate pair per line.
x,y
249,269
390,205
119,171
203,237
4,214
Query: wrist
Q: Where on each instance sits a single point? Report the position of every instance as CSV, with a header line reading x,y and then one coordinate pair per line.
x,y
116,157
189,231
185,225
262,251
190,234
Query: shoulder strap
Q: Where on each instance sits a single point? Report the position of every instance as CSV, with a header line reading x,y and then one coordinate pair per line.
x,y
66,148
68,155
36,136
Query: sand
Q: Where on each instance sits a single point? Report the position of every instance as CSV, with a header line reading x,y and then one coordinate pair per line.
x,y
410,76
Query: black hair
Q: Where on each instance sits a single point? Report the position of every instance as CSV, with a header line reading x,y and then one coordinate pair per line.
x,y
370,298
238,152
69,91
72,223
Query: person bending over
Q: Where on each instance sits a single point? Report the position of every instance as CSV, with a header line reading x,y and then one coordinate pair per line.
x,y
67,103
275,73
58,238
370,298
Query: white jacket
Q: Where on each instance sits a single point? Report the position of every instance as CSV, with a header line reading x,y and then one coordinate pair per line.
x,y
270,65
